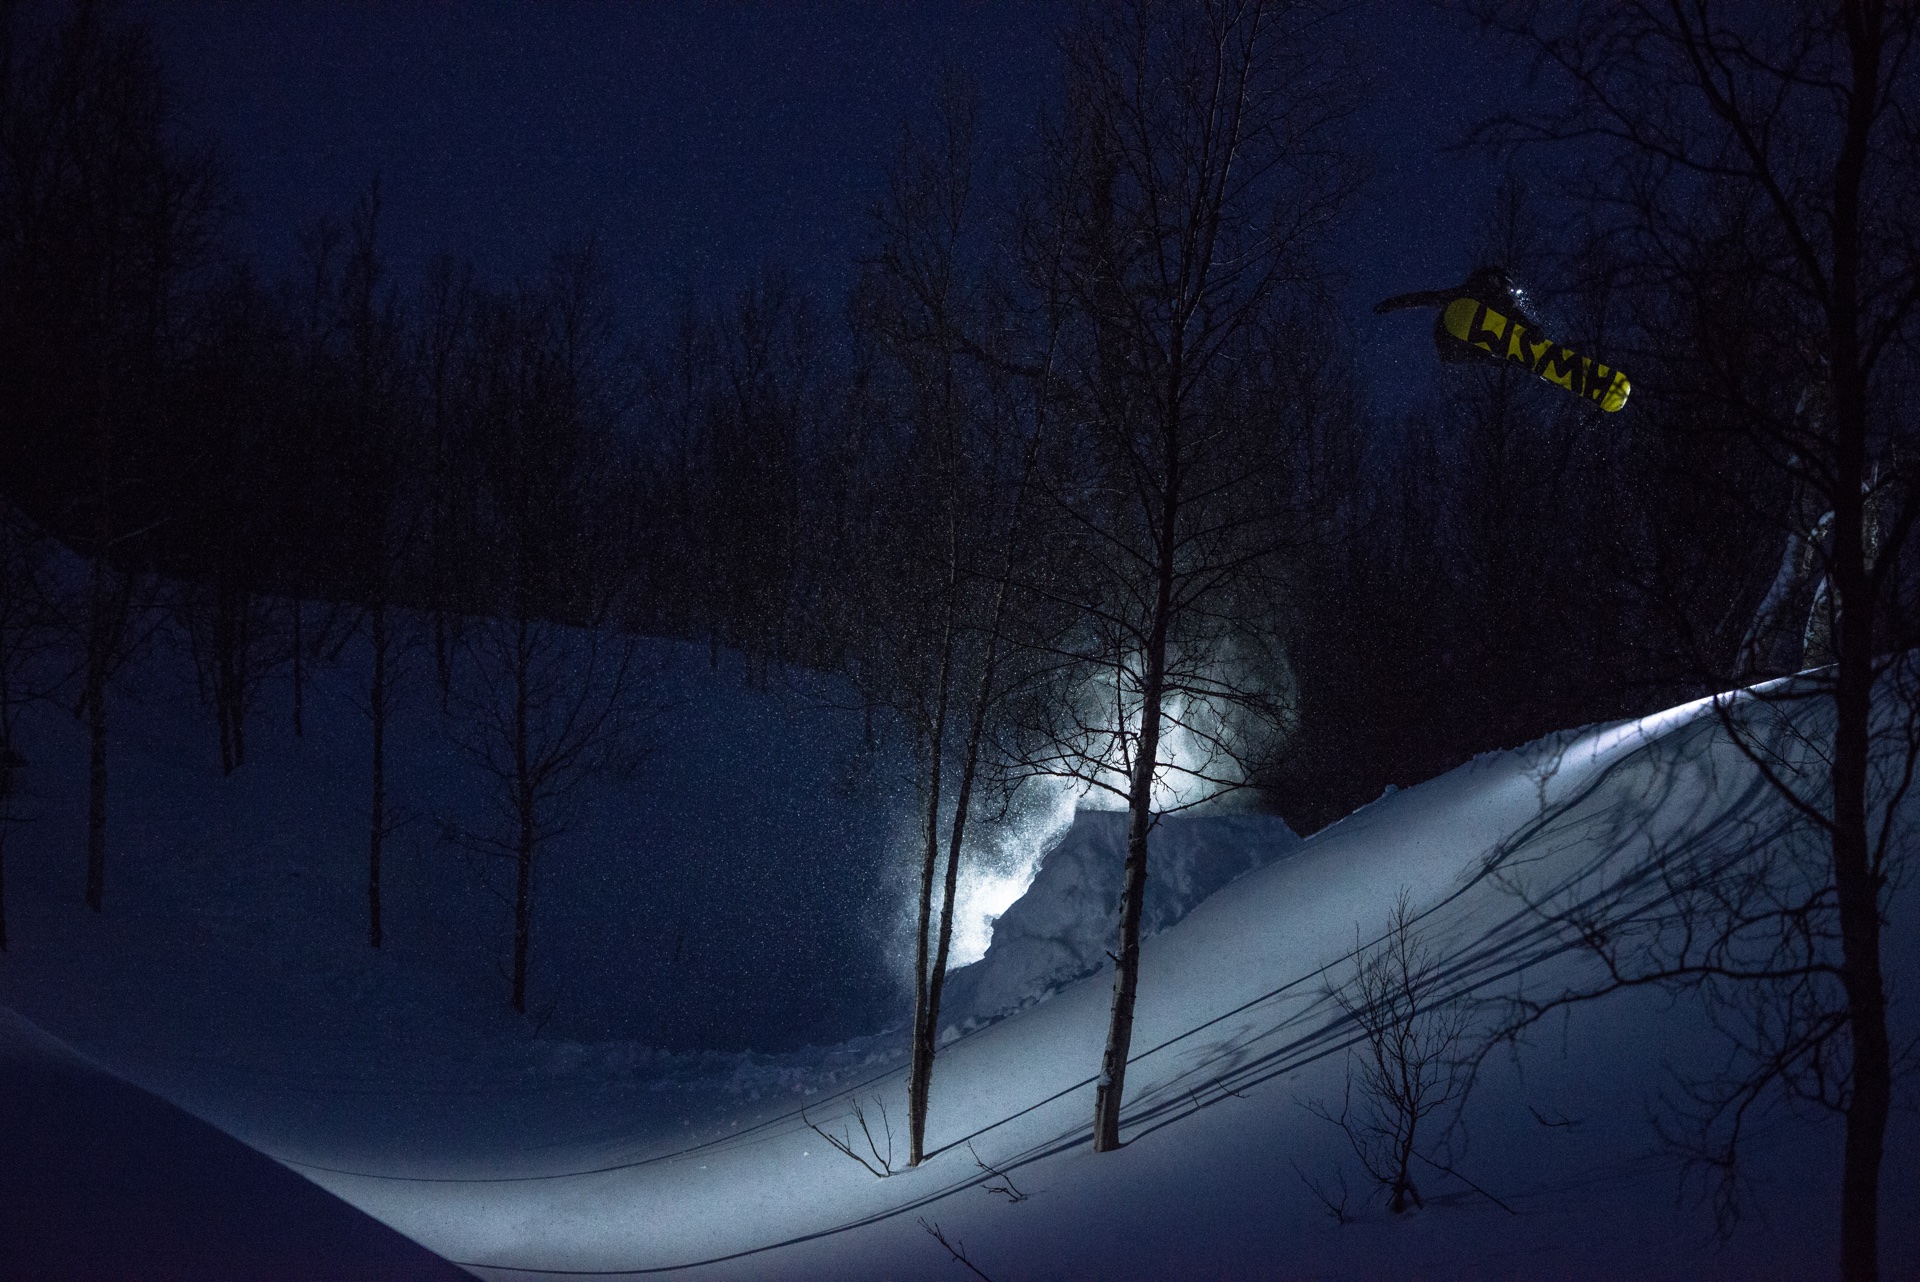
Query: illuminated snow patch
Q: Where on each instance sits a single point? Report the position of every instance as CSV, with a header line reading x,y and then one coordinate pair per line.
x,y
1632,734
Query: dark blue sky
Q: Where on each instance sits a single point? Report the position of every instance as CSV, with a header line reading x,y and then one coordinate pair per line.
x,y
699,141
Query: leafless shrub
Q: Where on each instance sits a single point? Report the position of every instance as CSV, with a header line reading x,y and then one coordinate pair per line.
x,y
1334,1200
1005,1187
1407,1066
881,1164
956,1248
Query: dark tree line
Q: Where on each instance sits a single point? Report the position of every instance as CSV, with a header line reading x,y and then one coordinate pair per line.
x,y
104,216
275,470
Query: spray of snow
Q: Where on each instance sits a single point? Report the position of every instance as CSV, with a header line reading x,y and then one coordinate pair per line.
x,y
1001,856
1000,861
996,871
1205,743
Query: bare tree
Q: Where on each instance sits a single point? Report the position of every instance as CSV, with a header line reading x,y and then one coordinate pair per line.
x,y
375,386
1773,147
760,420
554,683
1410,1065
681,390
545,707
948,481
878,1162
1189,179
236,384
312,301
445,303
916,297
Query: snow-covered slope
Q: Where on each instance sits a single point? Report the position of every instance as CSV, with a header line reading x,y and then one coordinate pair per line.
x,y
229,976
1235,1034
737,889
100,1179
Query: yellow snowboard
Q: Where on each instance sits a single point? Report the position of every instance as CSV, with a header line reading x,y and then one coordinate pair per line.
x,y
1481,327
1470,328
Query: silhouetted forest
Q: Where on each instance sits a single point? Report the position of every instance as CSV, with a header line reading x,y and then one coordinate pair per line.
x,y
265,460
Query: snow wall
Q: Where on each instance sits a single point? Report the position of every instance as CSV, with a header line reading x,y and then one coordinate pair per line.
x,y
1065,924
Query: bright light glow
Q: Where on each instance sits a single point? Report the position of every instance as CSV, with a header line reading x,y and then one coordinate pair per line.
x,y
1206,738
1190,769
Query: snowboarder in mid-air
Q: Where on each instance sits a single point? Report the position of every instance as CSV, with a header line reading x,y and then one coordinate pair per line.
x,y
1483,320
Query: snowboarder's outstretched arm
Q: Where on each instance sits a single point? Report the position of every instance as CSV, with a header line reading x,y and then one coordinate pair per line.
x,y
1421,298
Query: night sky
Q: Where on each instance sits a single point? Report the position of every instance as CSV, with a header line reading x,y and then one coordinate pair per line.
x,y
700,142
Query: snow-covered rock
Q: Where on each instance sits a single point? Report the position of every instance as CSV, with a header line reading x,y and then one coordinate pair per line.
x,y
1067,922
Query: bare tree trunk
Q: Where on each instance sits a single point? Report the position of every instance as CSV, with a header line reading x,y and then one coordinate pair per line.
x,y
6,822
1403,1187
524,795
231,644
1857,889
223,673
1126,971
242,673
377,713
100,644
226,733
920,1075
1111,1090
442,656
1856,886
962,803
522,909
299,668
96,788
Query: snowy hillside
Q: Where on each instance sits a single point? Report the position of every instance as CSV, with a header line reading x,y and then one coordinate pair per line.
x,y
1235,1034
102,1179
623,1136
